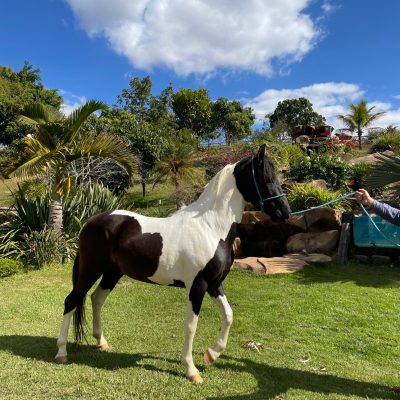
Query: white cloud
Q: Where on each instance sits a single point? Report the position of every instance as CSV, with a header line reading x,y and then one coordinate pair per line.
x,y
328,99
192,36
328,8
71,102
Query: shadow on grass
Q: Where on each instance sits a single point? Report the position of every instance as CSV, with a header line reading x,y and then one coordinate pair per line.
x,y
272,381
376,276
43,348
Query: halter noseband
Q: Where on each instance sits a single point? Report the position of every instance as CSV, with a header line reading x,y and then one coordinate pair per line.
x,y
261,200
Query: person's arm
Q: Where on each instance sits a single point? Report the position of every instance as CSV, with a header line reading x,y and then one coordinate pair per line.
x,y
385,211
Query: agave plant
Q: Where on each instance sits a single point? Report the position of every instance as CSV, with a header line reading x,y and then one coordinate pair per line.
x,y
57,142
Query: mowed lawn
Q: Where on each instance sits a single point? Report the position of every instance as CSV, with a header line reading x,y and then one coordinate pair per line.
x,y
329,332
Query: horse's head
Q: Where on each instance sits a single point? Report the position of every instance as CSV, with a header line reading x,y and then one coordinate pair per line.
x,y
257,182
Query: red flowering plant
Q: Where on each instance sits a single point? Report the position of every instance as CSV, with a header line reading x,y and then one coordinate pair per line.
x,y
216,157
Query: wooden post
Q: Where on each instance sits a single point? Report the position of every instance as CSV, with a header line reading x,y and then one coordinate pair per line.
x,y
345,238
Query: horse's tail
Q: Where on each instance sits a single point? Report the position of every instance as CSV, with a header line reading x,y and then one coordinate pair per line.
x,y
79,314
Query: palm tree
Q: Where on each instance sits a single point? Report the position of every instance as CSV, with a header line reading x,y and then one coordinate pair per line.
x,y
57,142
176,164
359,117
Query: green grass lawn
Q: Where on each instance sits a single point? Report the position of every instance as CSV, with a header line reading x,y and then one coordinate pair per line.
x,y
6,187
329,332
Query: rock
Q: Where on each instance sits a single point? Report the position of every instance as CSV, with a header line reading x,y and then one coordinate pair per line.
x,y
270,266
362,258
249,207
310,258
320,183
320,242
376,259
237,248
251,217
317,220
265,238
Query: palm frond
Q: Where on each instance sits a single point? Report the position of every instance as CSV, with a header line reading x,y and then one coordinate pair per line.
x,y
103,145
35,166
385,172
76,119
373,117
35,113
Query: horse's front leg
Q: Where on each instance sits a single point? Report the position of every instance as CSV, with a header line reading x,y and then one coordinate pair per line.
x,y
195,299
212,353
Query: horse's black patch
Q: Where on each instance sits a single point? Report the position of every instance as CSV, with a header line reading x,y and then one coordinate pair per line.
x,y
178,283
137,254
115,245
211,277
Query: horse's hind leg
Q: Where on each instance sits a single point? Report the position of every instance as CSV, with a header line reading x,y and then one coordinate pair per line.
x,y
212,353
74,302
98,297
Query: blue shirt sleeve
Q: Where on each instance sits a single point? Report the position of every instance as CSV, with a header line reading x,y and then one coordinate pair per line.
x,y
387,212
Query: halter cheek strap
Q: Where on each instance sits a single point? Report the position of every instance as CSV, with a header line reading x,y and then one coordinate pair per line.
x,y
261,200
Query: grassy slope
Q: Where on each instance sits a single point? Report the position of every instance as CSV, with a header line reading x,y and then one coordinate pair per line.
x,y
6,186
343,319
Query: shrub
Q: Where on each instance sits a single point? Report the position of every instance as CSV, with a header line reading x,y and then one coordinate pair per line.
x,y
44,247
290,154
216,157
331,168
25,236
387,141
358,173
35,188
8,267
304,196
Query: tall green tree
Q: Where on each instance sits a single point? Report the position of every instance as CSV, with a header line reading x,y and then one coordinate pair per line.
x,y
295,112
359,117
232,119
193,110
136,98
57,142
146,121
18,89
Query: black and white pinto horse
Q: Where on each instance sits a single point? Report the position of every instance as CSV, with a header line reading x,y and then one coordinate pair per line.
x,y
192,248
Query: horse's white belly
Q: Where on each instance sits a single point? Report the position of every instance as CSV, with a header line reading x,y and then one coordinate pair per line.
x,y
183,255
187,246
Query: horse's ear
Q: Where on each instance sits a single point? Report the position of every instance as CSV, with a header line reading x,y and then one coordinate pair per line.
x,y
261,154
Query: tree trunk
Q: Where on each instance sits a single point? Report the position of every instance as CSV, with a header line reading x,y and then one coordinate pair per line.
x,y
143,187
55,220
359,138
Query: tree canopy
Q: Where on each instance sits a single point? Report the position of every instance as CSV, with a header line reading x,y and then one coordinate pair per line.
x,y
193,110
17,89
232,119
295,112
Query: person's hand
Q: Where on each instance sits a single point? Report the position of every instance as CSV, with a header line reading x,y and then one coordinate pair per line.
x,y
363,197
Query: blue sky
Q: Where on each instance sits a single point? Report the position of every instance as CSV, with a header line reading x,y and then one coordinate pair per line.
x,y
257,51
